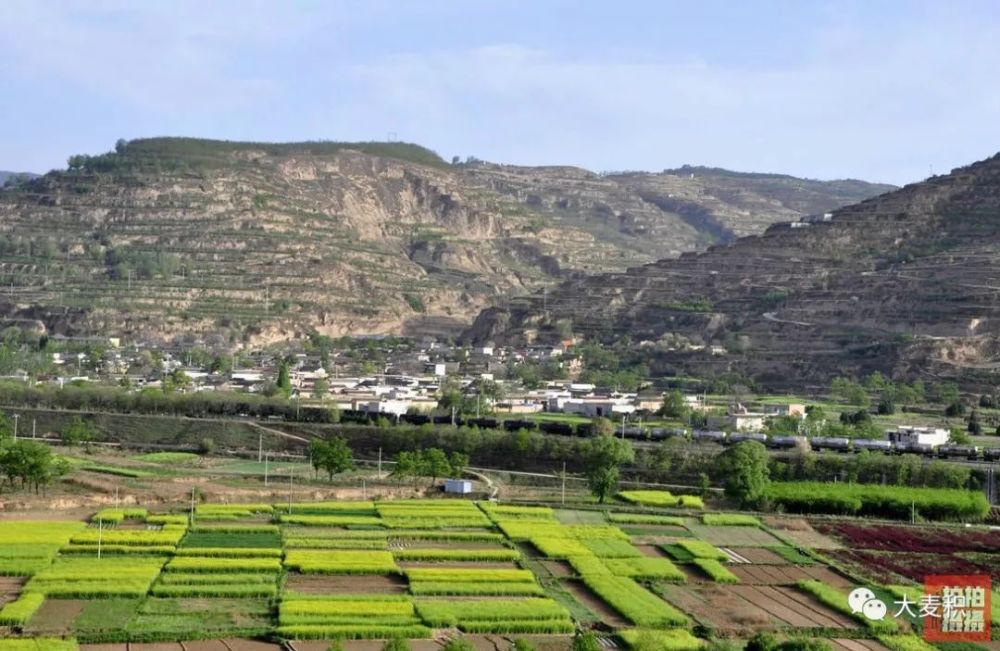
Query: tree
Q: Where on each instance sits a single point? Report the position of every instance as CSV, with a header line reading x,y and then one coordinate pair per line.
x,y
77,432
954,409
459,461
674,405
284,382
407,465
6,426
975,427
744,468
207,446
332,455
32,463
603,455
602,427
434,464
321,388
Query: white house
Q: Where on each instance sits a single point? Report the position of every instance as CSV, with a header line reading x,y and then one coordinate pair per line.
x,y
922,436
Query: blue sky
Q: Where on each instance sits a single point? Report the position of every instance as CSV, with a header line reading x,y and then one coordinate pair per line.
x,y
880,90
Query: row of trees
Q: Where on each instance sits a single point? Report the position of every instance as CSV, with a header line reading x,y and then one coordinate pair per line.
x,y
432,462
24,463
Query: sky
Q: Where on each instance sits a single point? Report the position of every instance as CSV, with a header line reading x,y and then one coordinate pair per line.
x,y
888,91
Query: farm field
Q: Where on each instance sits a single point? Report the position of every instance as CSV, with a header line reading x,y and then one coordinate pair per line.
x,y
258,575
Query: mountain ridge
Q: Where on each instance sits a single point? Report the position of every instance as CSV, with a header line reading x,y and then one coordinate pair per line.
x,y
904,283
180,237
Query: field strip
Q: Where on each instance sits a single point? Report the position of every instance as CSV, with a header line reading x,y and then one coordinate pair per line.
x,y
774,607
838,620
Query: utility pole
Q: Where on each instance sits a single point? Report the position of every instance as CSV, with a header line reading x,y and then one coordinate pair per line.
x,y
364,490
564,484
192,506
380,463
266,457
16,417
32,428
291,474
260,447
100,536
623,427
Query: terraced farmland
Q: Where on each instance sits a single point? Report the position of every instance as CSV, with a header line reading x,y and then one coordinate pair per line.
x,y
423,570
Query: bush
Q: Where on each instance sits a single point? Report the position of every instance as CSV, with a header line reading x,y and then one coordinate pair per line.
x,y
521,644
396,644
586,642
458,644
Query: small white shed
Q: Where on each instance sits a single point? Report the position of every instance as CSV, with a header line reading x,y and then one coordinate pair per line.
x,y
458,486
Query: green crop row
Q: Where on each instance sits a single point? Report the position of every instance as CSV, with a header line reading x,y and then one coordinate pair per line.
x,y
215,590
167,518
129,537
522,530
443,613
462,536
646,568
205,578
906,643
473,589
518,626
229,552
79,577
701,549
130,550
335,543
650,498
440,522
235,528
837,600
716,570
332,520
642,518
203,564
675,639
371,608
470,575
353,632
31,532
495,511
38,644
343,508
341,562
639,605
730,519
457,555
19,611
874,499
560,547
611,548
117,515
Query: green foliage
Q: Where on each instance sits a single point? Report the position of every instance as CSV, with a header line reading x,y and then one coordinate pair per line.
x,y
474,613
674,406
458,555
586,641
702,549
906,643
19,611
745,473
604,456
475,589
837,600
650,497
642,518
885,501
30,463
850,391
639,605
645,568
730,519
468,575
332,455
341,562
716,570
396,644
660,640
432,462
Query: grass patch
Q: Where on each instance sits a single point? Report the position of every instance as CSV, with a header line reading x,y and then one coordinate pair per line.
x,y
657,640
716,570
837,600
730,519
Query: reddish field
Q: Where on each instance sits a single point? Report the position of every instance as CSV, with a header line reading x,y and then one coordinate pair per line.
x,y
881,566
927,540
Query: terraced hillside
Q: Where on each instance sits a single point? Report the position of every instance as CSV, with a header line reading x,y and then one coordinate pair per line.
x,y
906,283
175,236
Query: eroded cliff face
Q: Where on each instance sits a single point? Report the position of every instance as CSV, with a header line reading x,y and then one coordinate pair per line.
x,y
907,283
170,237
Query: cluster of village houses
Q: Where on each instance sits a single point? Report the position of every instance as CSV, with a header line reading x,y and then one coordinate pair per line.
x,y
410,381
